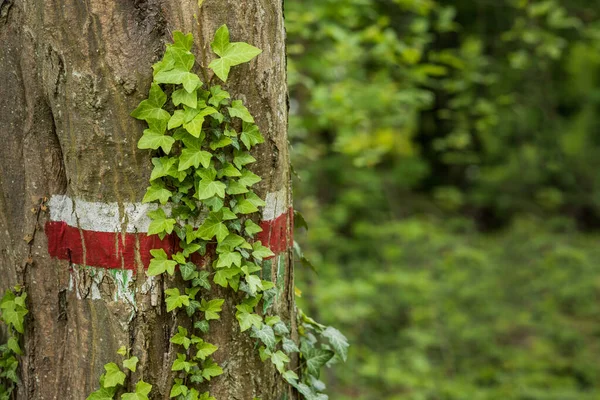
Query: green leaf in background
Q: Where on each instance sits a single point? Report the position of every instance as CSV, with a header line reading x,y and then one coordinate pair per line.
x,y
114,376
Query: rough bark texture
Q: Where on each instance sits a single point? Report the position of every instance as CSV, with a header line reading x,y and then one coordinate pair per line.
x,y
71,71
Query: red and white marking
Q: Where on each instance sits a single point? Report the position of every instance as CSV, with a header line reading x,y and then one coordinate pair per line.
x,y
108,235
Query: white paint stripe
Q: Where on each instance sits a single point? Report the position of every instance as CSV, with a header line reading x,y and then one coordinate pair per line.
x,y
277,204
132,218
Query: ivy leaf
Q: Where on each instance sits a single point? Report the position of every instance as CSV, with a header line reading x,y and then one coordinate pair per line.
x,y
202,280
266,335
230,170
182,96
142,389
157,191
206,395
213,226
222,142
230,243
205,349
231,54
131,363
338,341
248,178
261,251
226,276
241,158
217,95
175,299
160,264
178,388
254,283
212,308
188,271
13,345
281,329
245,206
280,359
177,119
289,346
290,376
105,393
114,376
247,319
163,166
151,108
272,320
315,359
229,258
14,314
238,110
207,187
210,369
181,337
183,41
250,135
194,157
234,187
194,126
160,223
251,228
152,139
182,364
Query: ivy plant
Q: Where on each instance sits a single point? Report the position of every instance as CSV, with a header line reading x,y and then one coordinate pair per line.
x,y
13,310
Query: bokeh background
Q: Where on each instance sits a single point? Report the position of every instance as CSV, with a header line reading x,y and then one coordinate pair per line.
x,y
448,164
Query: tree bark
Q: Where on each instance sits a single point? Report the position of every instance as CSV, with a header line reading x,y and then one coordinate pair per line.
x,y
71,71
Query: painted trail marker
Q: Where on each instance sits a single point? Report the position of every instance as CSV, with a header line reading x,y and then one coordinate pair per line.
x,y
107,235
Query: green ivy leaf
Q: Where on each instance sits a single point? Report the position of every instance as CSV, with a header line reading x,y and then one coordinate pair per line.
x,y
238,110
280,359
241,158
181,337
202,326
261,251
160,263
205,349
234,187
338,341
247,319
289,346
131,363
251,228
227,276
217,95
231,54
210,369
175,299
290,376
151,108
157,191
194,157
152,139
230,243
248,178
13,345
105,393
222,142
188,271
114,376
213,226
182,364
178,388
122,351
182,96
202,280
194,126
160,223
266,335
207,187
211,308
250,135
229,258
142,389
183,41
315,359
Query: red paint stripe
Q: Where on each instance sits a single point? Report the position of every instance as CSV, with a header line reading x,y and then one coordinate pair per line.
x,y
117,250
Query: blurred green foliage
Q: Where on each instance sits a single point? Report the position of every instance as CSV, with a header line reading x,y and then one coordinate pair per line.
x,y
447,154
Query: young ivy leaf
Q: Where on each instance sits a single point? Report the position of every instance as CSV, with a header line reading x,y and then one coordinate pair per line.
x,y
175,299
337,341
152,139
238,110
251,136
151,109
114,376
160,264
157,191
213,226
207,187
251,227
211,308
241,158
182,96
194,126
131,363
142,389
160,224
230,54
205,349
210,369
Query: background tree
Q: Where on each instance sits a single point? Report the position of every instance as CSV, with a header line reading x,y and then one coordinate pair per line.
x,y
72,179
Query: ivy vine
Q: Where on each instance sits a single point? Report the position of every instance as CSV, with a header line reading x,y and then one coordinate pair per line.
x,y
201,139
13,310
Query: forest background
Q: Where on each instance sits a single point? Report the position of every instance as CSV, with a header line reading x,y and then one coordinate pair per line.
x,y
448,163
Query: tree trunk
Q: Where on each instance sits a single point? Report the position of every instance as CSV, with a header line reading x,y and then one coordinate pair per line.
x,y
72,181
